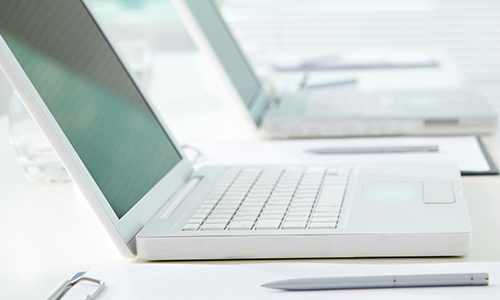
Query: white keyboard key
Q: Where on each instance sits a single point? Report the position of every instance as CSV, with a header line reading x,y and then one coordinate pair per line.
x,y
276,205
312,176
308,188
287,183
304,200
260,194
241,225
294,225
325,214
327,209
213,227
230,206
220,216
322,226
223,211
244,218
331,195
259,203
195,221
232,198
302,205
291,176
191,227
254,214
216,221
296,219
274,211
341,182
242,184
324,220
268,224
224,202
249,210
235,195
333,171
283,193
282,199
306,194
270,216
299,213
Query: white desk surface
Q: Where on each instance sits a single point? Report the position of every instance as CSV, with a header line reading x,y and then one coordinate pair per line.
x,y
49,232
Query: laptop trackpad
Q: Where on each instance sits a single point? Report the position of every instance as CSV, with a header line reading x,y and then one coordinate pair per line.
x,y
390,192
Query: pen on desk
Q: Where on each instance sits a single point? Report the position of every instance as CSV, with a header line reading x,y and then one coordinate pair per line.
x,y
333,283
331,83
343,63
304,83
373,150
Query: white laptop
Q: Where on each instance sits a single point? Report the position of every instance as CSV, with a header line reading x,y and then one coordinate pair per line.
x,y
338,111
144,190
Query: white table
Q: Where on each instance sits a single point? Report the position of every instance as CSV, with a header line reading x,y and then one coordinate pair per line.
x,y
49,231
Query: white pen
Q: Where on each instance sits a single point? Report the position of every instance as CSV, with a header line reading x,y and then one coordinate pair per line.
x,y
366,282
373,150
331,83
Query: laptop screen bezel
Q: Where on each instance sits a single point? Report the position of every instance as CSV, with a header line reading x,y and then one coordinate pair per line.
x,y
259,103
121,230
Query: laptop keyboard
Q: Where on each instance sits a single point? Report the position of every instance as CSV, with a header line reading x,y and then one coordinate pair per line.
x,y
273,198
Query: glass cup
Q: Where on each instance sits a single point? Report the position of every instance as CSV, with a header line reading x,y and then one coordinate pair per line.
x,y
35,156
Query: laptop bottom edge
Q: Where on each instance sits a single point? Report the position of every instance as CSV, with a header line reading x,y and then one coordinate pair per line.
x,y
306,128
304,246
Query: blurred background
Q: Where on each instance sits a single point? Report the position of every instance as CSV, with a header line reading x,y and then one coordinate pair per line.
x,y
468,31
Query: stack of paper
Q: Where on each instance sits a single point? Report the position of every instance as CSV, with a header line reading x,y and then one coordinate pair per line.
x,y
466,151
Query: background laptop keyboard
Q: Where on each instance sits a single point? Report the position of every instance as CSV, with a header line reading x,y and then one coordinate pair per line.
x,y
273,198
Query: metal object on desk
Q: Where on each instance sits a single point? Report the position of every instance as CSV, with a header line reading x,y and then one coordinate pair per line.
x,y
69,284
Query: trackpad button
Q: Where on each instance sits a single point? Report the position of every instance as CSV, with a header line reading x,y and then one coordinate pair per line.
x,y
439,192
395,192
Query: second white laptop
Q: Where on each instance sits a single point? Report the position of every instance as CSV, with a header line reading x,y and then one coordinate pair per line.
x,y
144,190
339,111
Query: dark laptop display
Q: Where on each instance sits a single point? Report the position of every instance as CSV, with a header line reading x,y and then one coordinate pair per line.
x,y
95,102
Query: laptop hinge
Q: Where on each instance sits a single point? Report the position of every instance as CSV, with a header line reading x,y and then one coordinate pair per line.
x,y
177,198
272,95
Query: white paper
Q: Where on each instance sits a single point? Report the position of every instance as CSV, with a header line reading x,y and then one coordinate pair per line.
x,y
464,150
243,281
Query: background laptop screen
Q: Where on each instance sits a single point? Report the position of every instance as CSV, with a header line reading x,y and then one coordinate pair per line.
x,y
91,96
226,49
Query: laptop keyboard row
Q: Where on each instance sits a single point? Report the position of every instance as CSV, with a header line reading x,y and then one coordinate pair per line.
x,y
273,198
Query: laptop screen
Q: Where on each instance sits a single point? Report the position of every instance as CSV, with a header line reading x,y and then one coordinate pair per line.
x,y
227,50
90,95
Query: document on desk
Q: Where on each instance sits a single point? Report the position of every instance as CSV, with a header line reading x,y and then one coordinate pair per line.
x,y
467,151
244,281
